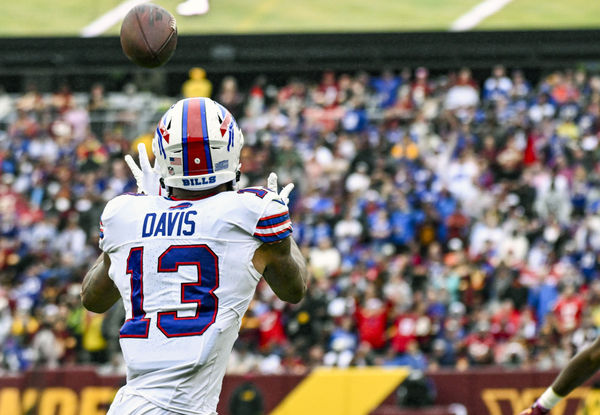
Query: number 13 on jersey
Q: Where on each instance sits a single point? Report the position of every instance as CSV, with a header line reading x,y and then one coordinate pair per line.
x,y
200,292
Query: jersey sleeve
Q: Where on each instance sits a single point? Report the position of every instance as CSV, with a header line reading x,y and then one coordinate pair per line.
x,y
274,223
109,227
269,219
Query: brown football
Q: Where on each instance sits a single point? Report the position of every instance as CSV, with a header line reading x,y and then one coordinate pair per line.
x,y
149,35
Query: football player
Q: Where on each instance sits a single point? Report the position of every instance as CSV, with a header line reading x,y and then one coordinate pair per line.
x,y
579,369
186,255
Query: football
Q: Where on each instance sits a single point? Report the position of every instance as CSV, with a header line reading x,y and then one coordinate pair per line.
x,y
149,35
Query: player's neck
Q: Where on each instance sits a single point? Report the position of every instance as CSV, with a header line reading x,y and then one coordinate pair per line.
x,y
177,193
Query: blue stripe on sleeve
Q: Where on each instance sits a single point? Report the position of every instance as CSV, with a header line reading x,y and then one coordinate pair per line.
x,y
273,221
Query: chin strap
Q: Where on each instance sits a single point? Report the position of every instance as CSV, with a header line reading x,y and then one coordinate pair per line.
x,y
238,175
168,189
238,172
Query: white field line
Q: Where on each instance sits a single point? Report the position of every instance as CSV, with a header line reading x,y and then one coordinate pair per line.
x,y
109,19
477,14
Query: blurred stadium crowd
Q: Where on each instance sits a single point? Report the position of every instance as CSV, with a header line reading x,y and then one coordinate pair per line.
x,y
447,221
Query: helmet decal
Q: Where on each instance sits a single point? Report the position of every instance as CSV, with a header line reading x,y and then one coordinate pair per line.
x,y
227,125
161,148
163,132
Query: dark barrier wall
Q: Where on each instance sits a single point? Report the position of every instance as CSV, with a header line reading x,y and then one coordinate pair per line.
x,y
496,392
101,58
82,392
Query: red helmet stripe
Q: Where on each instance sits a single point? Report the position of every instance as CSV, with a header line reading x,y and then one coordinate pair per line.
x,y
196,139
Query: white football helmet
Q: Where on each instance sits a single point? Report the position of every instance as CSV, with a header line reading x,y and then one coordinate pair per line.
x,y
197,145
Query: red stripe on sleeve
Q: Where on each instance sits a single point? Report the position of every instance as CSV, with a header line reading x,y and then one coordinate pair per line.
x,y
277,215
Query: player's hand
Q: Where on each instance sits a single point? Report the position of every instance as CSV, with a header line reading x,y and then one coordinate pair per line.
x,y
146,177
285,192
535,410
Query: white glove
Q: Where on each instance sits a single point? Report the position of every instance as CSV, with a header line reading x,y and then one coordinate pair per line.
x,y
147,178
285,192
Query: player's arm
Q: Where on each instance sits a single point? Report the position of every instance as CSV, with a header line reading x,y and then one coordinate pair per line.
x,y
98,292
279,259
579,369
284,268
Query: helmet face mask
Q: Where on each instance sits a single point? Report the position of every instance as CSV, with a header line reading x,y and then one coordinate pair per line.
x,y
197,145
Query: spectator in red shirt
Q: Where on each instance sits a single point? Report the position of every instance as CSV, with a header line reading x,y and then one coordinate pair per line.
x,y
327,93
421,88
564,88
480,345
457,224
371,319
404,331
568,310
271,329
505,321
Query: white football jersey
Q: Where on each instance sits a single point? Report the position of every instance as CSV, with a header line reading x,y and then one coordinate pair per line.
x,y
184,270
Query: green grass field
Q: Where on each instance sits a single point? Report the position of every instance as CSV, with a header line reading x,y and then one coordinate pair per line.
x,y
68,17
536,14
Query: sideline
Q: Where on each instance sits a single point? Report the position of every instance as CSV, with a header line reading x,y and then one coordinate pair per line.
x,y
477,14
